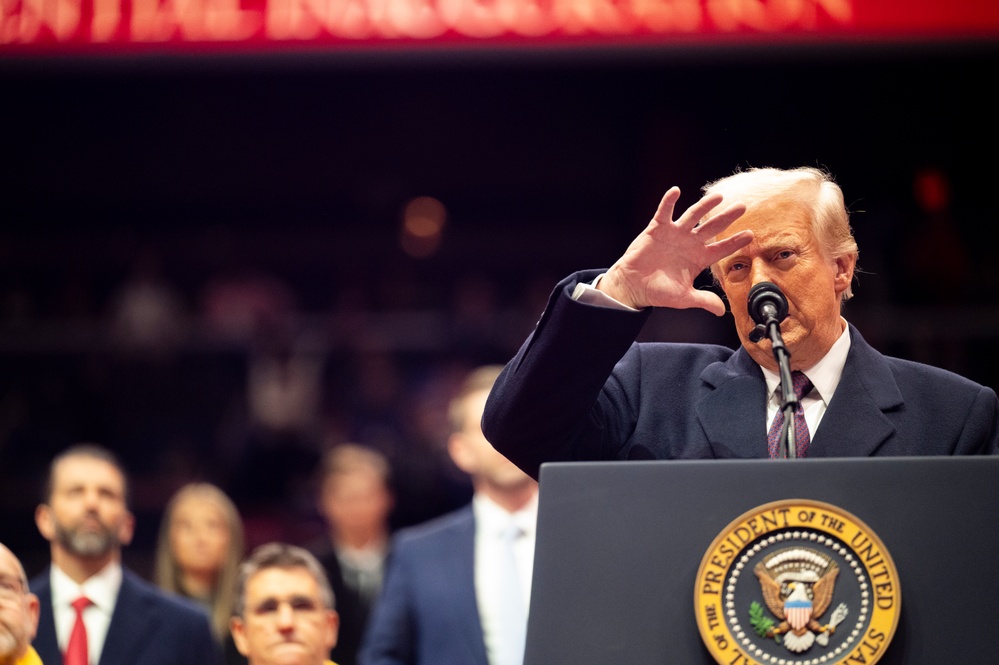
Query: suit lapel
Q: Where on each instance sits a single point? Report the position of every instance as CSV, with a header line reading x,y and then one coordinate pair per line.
x,y
45,642
462,554
129,623
855,424
733,411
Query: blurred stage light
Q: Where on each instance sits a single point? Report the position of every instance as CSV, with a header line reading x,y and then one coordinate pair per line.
x,y
423,221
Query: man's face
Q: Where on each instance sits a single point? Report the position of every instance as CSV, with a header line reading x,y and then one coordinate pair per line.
x,y
785,251
474,455
18,610
285,622
86,515
356,501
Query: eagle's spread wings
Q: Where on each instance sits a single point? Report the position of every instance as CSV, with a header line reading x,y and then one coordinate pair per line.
x,y
822,591
771,591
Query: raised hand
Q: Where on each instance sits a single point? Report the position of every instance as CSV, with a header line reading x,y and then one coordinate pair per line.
x,y
659,267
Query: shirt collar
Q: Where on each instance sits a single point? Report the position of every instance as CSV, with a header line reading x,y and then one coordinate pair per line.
x,y
494,519
365,558
101,588
825,374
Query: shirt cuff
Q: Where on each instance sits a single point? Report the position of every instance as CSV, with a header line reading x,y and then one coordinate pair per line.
x,y
589,295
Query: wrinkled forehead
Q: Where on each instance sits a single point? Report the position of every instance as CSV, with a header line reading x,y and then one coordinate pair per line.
x,y
771,218
282,580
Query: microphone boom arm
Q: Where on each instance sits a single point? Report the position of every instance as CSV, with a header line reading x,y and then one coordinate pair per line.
x,y
768,307
789,401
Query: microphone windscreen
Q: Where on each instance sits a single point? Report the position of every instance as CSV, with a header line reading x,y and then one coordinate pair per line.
x,y
766,293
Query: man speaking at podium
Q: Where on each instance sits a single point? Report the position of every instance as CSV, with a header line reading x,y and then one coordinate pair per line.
x,y
581,388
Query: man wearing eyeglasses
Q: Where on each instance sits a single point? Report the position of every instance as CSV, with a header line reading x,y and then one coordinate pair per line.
x,y
18,613
284,612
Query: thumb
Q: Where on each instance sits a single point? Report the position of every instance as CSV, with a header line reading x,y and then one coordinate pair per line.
x,y
707,300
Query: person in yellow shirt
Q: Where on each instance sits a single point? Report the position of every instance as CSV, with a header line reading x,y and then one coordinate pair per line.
x,y
18,613
284,612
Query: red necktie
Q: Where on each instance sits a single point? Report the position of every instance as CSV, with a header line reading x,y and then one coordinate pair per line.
x,y
802,386
76,650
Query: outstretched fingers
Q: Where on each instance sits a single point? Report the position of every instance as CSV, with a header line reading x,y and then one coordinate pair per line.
x,y
664,213
721,248
659,267
712,226
695,214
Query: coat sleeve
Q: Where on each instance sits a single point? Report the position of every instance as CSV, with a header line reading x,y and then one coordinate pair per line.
x,y
541,408
981,431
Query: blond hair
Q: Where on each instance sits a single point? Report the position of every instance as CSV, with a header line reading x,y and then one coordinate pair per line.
x,y
167,572
477,380
813,189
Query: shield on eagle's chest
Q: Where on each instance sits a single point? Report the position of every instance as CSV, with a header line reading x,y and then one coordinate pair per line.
x,y
798,612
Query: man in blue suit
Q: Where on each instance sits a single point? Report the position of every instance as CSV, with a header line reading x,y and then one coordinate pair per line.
x,y
93,610
445,601
580,388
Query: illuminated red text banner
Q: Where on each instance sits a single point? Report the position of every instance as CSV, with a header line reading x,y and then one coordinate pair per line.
x,y
74,25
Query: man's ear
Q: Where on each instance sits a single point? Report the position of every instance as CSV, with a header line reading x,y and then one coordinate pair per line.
x,y
333,628
127,529
44,521
34,608
459,449
322,498
845,266
238,630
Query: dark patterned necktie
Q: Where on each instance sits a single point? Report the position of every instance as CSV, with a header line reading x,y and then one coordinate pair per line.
x,y
802,386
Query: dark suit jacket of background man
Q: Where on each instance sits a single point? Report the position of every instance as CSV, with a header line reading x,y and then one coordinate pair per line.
x,y
148,627
580,388
427,612
354,610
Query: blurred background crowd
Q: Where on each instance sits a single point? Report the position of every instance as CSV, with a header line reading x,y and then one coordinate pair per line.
x,y
219,268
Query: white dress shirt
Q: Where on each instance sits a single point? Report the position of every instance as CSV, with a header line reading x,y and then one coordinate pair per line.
x,y
102,590
491,521
363,569
824,375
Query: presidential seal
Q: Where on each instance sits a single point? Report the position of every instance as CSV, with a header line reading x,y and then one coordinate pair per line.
x,y
797,582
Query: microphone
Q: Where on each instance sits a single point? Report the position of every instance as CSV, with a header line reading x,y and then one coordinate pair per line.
x,y
766,305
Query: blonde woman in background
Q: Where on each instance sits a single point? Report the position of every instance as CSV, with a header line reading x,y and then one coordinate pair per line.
x,y
198,553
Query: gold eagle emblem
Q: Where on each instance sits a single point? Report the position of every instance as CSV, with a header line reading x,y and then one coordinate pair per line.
x,y
797,585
